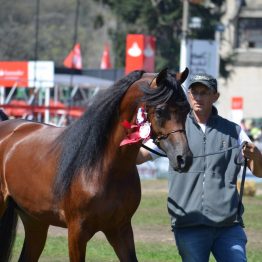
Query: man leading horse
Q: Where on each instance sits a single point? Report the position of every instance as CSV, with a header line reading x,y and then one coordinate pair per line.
x,y
204,202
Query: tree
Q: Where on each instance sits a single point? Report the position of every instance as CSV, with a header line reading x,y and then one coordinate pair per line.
x,y
56,31
163,19
97,20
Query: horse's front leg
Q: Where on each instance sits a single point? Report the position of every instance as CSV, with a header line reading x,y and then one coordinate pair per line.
x,y
77,239
122,240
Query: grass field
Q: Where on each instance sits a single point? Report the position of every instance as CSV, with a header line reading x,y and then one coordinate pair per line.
x,y
153,237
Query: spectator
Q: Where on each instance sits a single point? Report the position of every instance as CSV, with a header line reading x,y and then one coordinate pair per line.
x,y
203,202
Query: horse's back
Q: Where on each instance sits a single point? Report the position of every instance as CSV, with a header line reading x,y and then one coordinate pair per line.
x,y
28,162
20,129
21,134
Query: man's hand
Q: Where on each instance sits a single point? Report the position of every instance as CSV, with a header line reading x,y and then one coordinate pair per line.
x,y
254,156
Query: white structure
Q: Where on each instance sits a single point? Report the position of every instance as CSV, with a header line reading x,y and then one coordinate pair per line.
x,y
243,37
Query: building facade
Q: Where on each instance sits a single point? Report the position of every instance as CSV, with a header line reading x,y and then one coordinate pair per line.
x,y
242,39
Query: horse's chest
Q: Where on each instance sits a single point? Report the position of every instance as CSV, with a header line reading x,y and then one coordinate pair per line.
x,y
121,201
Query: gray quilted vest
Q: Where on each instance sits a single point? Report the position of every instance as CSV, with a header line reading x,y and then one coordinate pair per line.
x,y
207,193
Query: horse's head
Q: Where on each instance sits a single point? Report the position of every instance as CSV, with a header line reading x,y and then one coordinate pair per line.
x,y
167,107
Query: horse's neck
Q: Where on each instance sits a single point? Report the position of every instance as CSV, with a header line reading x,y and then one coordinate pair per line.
x,y
126,154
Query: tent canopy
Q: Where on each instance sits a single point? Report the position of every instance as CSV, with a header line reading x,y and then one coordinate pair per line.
x,y
81,81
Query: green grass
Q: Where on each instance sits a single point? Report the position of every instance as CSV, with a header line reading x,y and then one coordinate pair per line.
x,y
152,218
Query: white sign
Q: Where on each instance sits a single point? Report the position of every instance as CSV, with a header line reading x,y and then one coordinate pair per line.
x,y
202,57
41,73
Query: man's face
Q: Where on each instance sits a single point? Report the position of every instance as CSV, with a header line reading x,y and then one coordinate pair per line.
x,y
201,98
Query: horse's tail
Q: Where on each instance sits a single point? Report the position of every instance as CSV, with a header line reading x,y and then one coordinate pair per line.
x,y
8,223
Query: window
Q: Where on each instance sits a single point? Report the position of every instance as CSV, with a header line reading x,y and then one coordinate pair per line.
x,y
249,33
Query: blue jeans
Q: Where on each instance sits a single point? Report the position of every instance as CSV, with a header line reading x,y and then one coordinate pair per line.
x,y
225,243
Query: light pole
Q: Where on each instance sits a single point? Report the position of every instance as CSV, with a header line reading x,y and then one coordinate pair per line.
x,y
219,29
183,50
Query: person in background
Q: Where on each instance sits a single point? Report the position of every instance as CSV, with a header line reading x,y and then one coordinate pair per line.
x,y
257,139
3,115
203,202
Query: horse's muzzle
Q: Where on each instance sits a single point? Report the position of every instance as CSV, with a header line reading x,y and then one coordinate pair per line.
x,y
183,162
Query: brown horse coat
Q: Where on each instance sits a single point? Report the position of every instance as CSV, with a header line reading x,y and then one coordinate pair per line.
x,y
79,177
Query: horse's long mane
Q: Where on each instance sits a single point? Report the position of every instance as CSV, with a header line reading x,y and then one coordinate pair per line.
x,y
167,87
82,143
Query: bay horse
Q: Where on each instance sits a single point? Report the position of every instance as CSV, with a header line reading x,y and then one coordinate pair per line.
x,y
84,177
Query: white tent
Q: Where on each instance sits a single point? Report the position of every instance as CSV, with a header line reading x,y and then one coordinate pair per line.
x,y
81,81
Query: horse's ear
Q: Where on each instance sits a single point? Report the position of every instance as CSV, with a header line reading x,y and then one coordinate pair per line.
x,y
181,77
161,75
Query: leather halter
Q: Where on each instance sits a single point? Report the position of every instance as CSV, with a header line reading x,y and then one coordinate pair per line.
x,y
165,136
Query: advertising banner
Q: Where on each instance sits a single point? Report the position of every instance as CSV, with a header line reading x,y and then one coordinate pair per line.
x,y
140,53
27,73
237,103
149,53
202,57
13,73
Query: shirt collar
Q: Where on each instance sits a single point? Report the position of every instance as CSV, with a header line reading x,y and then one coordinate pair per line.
x,y
213,115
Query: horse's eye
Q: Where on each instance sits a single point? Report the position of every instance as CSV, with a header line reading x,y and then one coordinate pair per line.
x,y
160,112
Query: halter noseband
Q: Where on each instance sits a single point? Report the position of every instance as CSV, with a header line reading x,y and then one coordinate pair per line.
x,y
165,136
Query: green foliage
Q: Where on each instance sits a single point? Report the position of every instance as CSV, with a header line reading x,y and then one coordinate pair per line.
x,y
163,19
99,20
55,32
158,18
226,65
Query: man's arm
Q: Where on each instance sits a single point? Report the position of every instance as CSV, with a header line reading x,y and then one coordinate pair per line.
x,y
254,156
143,156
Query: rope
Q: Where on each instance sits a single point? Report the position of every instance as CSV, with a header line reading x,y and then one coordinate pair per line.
x,y
153,151
241,192
205,155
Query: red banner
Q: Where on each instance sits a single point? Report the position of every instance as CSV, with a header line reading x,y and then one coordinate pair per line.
x,y
149,53
15,72
237,102
140,53
27,73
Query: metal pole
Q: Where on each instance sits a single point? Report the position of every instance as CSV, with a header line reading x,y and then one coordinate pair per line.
x,y
75,34
35,86
76,22
183,51
36,39
36,29
115,48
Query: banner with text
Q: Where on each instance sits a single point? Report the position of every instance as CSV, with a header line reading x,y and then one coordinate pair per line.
x,y
203,57
27,73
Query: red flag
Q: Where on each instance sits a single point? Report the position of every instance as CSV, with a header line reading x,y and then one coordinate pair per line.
x,y
105,61
74,58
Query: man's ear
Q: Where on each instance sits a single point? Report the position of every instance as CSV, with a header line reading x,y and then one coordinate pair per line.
x,y
216,96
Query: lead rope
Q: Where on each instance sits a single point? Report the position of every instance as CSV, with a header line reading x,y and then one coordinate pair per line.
x,y
153,151
241,193
209,154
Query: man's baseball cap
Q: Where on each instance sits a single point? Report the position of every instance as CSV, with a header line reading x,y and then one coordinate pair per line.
x,y
205,79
